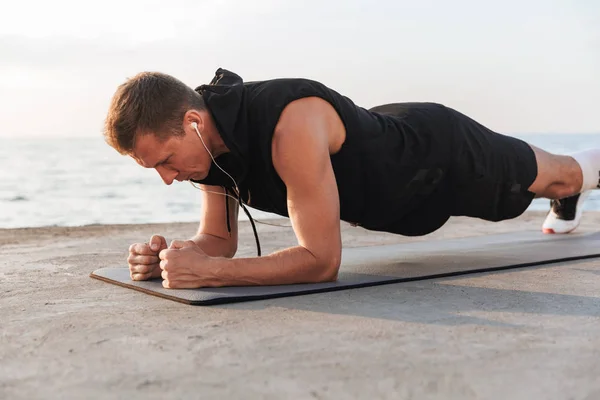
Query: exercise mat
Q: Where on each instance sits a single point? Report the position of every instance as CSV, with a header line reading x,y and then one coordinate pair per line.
x,y
409,261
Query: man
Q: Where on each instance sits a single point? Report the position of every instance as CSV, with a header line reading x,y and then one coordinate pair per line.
x,y
299,149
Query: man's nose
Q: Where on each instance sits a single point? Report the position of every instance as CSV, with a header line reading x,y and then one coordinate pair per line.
x,y
167,176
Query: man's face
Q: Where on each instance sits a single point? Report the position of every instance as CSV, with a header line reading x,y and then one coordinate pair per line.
x,y
178,158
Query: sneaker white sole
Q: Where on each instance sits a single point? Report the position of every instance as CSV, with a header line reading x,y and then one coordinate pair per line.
x,y
554,225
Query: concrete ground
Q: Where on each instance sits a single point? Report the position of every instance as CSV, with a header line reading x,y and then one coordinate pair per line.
x,y
531,333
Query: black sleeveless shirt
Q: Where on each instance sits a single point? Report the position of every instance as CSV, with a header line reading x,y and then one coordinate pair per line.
x,y
392,164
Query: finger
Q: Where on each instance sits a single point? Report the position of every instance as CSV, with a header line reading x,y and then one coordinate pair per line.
x,y
138,259
142,268
178,284
157,243
164,274
189,243
176,244
164,264
141,248
180,244
166,253
139,277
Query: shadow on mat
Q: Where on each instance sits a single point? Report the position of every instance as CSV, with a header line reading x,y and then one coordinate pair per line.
x,y
438,302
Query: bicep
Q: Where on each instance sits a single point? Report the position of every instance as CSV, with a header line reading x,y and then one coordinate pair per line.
x,y
213,219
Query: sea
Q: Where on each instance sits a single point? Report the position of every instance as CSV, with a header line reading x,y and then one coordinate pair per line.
x,y
75,181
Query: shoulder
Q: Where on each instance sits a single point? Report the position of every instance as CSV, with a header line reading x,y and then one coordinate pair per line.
x,y
290,107
289,103
308,124
279,91
305,112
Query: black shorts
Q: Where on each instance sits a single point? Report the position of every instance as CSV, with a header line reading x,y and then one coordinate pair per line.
x,y
486,175
491,173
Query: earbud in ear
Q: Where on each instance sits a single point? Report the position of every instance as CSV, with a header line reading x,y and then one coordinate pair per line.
x,y
195,125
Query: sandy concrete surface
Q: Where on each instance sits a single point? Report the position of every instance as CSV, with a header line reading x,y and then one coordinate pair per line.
x,y
532,333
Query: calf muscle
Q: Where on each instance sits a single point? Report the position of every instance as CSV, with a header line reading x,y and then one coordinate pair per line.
x,y
558,176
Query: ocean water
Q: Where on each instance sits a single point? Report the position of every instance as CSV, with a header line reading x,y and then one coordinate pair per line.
x,y
80,181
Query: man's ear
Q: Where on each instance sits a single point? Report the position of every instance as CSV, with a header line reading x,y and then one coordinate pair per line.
x,y
194,116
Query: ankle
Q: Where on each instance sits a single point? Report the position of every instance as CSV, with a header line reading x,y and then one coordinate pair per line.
x,y
562,190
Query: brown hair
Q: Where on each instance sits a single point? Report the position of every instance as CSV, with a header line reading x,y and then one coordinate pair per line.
x,y
149,102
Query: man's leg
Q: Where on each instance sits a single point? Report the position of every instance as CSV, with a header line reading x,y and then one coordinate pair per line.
x,y
566,180
496,176
559,176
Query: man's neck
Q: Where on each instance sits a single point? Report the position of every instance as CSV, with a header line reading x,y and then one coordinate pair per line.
x,y
214,141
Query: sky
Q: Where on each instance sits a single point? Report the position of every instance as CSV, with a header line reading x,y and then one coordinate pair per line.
x,y
517,66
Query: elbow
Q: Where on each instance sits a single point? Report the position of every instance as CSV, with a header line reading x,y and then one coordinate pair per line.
x,y
328,270
231,251
323,266
228,247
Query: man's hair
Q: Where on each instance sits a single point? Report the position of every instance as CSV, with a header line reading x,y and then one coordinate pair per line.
x,y
149,102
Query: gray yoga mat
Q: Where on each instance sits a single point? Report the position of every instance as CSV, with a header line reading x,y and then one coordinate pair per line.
x,y
377,265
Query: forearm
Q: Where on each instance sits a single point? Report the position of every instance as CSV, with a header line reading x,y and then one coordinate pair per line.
x,y
289,266
215,246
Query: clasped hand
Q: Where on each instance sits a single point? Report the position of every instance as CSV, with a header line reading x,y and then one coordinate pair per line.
x,y
183,265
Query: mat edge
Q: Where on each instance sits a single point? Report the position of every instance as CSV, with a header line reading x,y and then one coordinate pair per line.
x,y
140,289
226,300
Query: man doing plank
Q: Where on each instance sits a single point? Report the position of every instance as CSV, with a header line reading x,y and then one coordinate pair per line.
x,y
299,149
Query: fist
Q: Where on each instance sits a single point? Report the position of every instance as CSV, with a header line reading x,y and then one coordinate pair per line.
x,y
185,266
143,259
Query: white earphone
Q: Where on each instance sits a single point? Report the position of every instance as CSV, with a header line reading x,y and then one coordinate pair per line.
x,y
195,126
